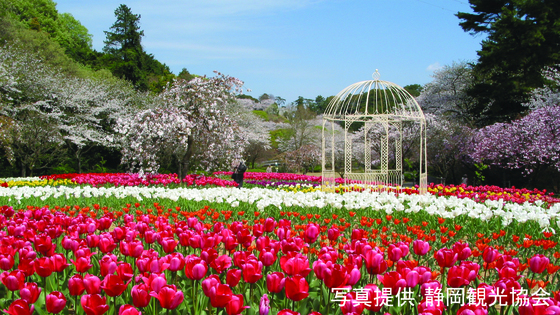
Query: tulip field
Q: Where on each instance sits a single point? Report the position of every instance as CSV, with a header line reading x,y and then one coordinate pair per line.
x,y
156,244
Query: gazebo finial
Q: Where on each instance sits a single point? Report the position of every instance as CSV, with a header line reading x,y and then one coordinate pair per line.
x,y
376,75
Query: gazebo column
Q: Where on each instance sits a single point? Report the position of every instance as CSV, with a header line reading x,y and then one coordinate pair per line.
x,y
398,154
347,149
367,148
332,147
385,150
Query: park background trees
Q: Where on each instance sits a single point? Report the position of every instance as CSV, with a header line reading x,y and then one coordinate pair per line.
x,y
65,107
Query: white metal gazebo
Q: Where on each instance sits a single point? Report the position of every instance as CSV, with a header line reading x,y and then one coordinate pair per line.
x,y
373,104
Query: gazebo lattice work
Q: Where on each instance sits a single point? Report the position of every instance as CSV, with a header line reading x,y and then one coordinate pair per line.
x,y
371,105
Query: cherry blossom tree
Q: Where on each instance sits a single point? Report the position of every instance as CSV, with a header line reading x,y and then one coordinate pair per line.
x,y
447,94
531,143
252,129
81,110
190,123
303,159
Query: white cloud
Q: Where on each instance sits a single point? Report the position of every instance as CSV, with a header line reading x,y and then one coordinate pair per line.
x,y
434,66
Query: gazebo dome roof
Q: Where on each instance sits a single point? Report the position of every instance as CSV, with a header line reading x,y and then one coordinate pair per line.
x,y
374,99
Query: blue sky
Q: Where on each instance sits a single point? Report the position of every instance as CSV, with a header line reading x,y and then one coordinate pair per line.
x,y
292,48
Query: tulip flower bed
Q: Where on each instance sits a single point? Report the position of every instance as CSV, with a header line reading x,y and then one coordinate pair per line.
x,y
163,250
275,180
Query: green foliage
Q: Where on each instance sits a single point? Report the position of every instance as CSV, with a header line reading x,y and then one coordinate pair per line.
x,y
413,89
522,40
247,97
278,134
123,46
479,172
42,16
185,75
264,97
261,114
38,43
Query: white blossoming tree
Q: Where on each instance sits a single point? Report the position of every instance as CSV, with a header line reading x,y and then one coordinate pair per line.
x,y
78,111
253,130
189,124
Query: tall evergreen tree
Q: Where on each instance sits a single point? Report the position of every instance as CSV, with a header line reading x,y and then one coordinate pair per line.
x,y
523,38
123,45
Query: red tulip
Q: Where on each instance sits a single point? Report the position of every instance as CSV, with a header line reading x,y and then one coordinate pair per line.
x,y
124,270
420,247
269,225
6,262
375,298
92,240
82,264
333,234
232,277
230,242
221,263
106,243
13,280
210,285
168,244
258,230
295,264
76,285
92,284
155,281
43,244
176,261
44,266
141,295
275,282
108,265
129,310
169,297
30,292
20,307
458,276
221,296
446,257
394,253
113,285
195,267
375,262
27,266
55,302
490,254
334,276
297,288
94,304
311,233
392,280
209,255
59,262
507,288
252,271
235,305
244,237
288,312
473,309
463,250
268,256
538,263
351,305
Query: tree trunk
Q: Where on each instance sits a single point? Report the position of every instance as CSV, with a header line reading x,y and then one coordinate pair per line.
x,y
78,157
23,170
180,170
184,161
